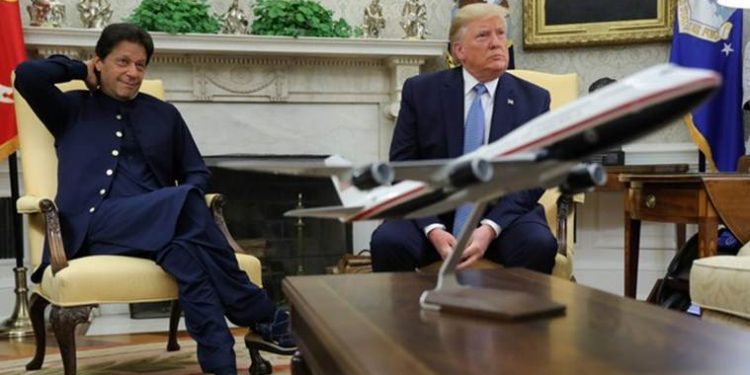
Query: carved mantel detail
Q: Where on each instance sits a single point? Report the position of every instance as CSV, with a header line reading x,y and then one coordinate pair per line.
x,y
242,68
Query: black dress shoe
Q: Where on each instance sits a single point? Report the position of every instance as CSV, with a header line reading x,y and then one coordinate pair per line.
x,y
278,333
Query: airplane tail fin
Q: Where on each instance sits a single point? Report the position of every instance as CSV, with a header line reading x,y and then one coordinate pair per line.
x,y
347,192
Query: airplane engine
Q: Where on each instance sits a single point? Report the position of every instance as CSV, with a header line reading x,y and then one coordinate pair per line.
x,y
372,175
583,177
470,172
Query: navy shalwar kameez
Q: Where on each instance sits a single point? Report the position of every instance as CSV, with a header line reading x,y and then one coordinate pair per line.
x,y
131,182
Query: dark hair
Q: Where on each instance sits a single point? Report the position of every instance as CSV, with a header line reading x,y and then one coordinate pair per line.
x,y
601,82
118,32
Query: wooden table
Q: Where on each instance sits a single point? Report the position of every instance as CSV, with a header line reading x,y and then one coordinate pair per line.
x,y
371,324
614,172
703,199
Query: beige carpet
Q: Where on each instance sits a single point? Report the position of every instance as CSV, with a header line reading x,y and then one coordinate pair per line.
x,y
141,359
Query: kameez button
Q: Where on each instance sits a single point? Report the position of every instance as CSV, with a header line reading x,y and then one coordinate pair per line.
x,y
92,209
109,172
118,134
102,191
119,117
115,153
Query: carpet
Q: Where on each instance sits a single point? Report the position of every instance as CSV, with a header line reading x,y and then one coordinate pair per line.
x,y
149,358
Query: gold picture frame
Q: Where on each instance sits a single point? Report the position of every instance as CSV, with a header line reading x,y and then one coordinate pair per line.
x,y
573,23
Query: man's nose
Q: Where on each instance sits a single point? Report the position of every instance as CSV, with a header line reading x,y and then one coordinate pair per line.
x,y
496,40
132,70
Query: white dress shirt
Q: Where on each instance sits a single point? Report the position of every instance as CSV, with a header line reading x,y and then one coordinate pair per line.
x,y
488,104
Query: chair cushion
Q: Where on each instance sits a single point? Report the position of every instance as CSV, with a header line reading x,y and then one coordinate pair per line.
x,y
720,283
563,267
103,279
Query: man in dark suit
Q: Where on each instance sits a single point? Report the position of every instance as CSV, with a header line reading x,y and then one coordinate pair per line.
x,y
435,110
131,182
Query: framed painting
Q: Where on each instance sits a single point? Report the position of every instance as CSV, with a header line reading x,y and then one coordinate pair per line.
x,y
570,23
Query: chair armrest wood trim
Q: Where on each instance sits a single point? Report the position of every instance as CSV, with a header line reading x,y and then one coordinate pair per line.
x,y
58,259
564,202
216,203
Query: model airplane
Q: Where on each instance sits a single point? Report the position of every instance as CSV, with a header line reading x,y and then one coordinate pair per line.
x,y
542,153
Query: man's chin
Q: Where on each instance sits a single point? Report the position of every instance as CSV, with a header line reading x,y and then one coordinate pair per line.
x,y
127,94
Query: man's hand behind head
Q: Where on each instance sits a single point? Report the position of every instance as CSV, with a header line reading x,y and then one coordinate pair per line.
x,y
92,80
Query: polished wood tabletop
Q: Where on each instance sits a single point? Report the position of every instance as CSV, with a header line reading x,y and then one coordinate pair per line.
x,y
373,324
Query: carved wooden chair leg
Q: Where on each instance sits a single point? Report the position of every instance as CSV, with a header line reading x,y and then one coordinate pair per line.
x,y
174,321
64,321
37,304
258,364
254,344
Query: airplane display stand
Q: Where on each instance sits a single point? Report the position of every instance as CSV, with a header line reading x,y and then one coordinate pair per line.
x,y
451,296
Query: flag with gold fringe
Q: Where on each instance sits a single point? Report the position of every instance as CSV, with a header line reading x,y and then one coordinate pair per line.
x,y
708,35
12,52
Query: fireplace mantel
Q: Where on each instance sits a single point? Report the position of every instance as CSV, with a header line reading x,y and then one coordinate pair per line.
x,y
50,39
249,68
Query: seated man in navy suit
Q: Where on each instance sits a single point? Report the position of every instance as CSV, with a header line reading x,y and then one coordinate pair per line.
x,y
435,110
131,182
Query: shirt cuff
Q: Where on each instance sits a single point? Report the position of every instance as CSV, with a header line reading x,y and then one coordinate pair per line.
x,y
430,227
492,225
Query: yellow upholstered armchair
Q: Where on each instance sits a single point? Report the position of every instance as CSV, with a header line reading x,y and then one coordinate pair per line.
x,y
74,286
559,209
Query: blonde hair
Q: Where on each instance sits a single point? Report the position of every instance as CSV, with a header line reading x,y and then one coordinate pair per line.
x,y
473,12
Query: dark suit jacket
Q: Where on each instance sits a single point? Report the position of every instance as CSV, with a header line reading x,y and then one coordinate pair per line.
x,y
431,126
85,126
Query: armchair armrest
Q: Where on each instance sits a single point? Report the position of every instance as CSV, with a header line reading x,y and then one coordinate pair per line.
x,y
216,203
34,205
29,204
58,260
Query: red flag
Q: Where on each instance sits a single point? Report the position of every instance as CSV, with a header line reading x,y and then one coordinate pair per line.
x,y
12,52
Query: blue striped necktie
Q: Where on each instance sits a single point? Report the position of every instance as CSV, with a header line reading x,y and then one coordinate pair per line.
x,y
473,138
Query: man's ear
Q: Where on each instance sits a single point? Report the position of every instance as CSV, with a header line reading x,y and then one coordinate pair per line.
x,y
98,64
457,50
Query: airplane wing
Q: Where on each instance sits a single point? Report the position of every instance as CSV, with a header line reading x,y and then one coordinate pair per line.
x,y
508,176
436,170
330,212
331,166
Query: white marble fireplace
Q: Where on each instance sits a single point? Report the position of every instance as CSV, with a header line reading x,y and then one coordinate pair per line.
x,y
275,95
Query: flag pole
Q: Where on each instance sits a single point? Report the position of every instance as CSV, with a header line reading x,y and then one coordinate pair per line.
x,y
19,323
11,53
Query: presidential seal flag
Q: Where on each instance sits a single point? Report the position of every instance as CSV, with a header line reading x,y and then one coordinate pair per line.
x,y
708,35
12,52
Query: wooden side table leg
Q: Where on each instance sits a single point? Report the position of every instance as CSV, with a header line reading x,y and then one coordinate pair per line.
x,y
298,365
632,246
708,232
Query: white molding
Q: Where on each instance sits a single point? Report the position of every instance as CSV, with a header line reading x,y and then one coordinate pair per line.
x,y
662,153
217,67
221,44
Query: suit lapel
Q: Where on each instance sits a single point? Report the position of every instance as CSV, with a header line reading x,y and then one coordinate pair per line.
x,y
503,113
452,98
